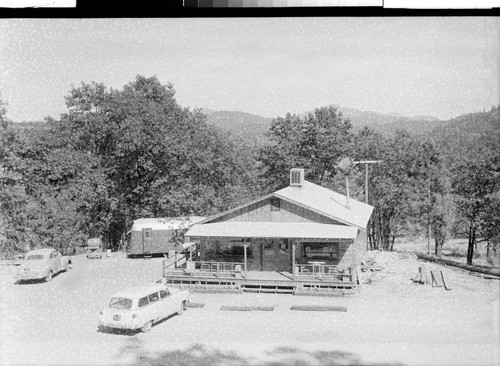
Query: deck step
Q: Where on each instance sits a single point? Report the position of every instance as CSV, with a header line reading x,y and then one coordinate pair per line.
x,y
309,293
268,290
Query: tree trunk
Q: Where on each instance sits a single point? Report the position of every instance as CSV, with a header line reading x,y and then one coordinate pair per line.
x,y
391,246
439,247
375,237
381,232
471,244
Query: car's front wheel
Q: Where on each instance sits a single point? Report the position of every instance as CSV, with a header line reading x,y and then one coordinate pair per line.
x,y
147,327
49,277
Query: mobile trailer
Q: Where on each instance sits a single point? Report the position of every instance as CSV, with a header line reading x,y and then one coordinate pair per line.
x,y
150,236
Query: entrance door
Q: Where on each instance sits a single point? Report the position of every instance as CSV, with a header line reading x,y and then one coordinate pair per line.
x,y
276,255
146,241
269,255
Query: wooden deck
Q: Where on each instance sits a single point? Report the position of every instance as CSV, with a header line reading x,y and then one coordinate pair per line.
x,y
254,281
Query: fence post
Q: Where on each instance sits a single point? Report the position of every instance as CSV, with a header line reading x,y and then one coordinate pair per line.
x,y
245,257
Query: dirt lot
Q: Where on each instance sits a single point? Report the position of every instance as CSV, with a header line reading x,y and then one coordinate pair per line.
x,y
391,320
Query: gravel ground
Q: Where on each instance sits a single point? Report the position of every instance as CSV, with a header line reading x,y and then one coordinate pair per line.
x,y
390,320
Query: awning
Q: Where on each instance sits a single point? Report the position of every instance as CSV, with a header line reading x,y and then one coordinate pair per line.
x,y
273,230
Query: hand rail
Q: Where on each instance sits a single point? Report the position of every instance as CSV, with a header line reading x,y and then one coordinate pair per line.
x,y
219,267
321,271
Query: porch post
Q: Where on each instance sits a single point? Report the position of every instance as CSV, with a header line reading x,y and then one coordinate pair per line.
x,y
293,260
245,257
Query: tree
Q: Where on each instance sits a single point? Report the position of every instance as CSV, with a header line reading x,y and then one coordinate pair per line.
x,y
367,145
316,142
158,158
476,187
434,183
394,192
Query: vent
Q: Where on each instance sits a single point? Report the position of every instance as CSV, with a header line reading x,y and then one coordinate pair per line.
x,y
296,177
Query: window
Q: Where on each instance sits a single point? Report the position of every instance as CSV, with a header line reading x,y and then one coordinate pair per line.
x,y
164,293
34,257
321,250
275,204
143,302
153,297
120,303
146,235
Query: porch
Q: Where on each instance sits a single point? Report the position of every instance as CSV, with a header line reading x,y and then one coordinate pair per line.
x,y
213,276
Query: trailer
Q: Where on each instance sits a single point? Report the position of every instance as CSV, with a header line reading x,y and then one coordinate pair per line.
x,y
150,236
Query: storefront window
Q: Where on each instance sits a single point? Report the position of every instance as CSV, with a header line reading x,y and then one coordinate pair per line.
x,y
328,251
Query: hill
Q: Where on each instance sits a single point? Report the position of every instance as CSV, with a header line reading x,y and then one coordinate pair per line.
x,y
244,125
471,126
253,127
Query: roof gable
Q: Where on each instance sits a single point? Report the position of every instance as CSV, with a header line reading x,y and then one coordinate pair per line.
x,y
317,199
328,203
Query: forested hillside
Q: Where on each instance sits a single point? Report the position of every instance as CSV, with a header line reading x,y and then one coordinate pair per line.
x,y
252,127
118,155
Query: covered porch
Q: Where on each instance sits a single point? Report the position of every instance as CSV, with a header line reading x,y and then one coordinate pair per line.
x,y
299,248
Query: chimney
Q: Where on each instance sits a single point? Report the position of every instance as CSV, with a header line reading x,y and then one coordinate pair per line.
x,y
296,177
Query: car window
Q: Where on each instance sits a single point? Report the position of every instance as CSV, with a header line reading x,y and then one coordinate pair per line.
x,y
164,293
153,297
34,257
120,303
143,302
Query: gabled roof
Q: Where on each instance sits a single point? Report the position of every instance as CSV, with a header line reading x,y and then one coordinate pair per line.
x,y
328,203
317,199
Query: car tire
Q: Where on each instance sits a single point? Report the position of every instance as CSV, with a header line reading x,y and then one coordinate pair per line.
x,y
147,327
49,277
181,308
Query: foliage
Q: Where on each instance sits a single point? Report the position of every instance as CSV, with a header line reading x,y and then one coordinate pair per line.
x,y
316,143
476,189
120,154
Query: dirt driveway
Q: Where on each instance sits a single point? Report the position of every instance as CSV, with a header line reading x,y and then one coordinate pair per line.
x,y
389,321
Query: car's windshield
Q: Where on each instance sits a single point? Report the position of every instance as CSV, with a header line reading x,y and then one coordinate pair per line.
x,y
120,303
34,257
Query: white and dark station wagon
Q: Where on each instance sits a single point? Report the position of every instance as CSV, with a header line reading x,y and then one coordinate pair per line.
x,y
141,306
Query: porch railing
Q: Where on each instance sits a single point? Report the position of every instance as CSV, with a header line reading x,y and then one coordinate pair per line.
x,y
220,269
320,270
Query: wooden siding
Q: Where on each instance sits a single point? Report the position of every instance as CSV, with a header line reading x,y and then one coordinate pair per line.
x,y
289,212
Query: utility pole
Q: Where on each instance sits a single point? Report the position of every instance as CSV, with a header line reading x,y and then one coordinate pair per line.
x,y
366,162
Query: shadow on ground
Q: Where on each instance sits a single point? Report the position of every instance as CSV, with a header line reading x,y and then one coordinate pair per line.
x,y
199,355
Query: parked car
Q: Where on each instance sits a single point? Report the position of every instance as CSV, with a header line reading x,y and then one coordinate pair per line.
x,y
42,264
141,306
18,259
94,254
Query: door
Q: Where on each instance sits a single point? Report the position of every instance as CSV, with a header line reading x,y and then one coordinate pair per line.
x,y
283,256
269,255
146,240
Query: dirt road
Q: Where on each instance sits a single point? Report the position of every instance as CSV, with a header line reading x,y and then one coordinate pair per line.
x,y
390,321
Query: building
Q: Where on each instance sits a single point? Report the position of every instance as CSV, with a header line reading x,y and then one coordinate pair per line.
x,y
301,229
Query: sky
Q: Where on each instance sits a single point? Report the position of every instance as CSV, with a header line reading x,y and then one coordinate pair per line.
x,y
434,66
